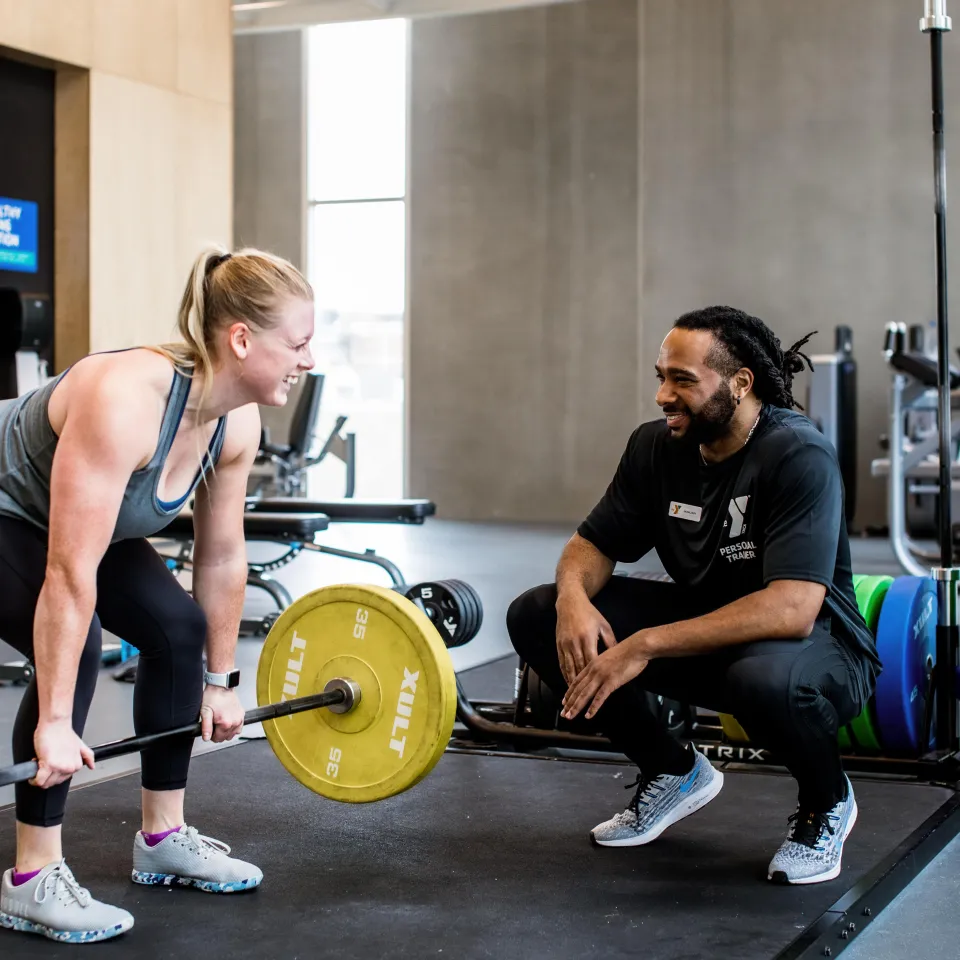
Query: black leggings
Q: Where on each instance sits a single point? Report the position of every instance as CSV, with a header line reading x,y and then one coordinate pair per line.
x,y
138,599
791,696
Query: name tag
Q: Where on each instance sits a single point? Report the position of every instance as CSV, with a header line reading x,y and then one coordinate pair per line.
x,y
683,511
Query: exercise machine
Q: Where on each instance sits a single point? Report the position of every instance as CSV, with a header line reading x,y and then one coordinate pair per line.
x,y
832,406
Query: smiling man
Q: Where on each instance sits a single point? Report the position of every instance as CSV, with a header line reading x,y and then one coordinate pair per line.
x,y
741,497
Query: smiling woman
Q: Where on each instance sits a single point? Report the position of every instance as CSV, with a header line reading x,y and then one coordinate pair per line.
x,y
262,292
92,464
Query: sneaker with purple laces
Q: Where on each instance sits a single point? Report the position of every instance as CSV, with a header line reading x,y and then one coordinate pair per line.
x,y
186,858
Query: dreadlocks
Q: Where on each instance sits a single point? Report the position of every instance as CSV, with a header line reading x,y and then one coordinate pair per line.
x,y
745,341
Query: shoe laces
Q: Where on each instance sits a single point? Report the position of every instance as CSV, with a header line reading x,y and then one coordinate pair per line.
x,y
60,882
647,790
201,844
810,828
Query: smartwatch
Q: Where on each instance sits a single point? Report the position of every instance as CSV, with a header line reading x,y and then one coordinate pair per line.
x,y
228,680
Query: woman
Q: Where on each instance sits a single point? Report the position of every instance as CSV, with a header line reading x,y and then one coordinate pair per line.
x,y
90,465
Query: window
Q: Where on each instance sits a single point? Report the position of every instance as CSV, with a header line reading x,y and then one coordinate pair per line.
x,y
356,163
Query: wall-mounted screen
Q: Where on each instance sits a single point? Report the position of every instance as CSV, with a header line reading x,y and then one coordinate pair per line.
x,y
18,235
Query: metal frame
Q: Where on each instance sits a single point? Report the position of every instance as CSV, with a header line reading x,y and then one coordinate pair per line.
x,y
497,722
907,467
259,575
289,478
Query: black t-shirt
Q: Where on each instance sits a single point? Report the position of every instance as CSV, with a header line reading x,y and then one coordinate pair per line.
x,y
772,511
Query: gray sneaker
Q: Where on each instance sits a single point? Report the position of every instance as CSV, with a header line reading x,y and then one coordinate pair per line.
x,y
658,803
814,846
188,859
55,905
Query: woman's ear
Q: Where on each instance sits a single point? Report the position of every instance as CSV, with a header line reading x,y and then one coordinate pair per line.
x,y
238,339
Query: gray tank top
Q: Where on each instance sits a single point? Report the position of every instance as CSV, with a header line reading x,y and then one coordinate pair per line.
x,y
27,445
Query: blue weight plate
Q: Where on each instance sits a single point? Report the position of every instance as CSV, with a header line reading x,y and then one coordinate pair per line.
x,y
906,642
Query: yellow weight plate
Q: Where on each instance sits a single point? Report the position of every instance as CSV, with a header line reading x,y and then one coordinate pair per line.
x,y
732,729
400,728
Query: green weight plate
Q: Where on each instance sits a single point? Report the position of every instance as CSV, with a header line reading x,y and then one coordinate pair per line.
x,y
861,733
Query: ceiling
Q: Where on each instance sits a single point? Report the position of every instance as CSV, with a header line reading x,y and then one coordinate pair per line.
x,y
262,16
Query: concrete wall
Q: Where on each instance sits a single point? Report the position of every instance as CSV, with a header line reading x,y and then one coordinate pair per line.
x,y
523,258
580,175
143,155
270,136
270,202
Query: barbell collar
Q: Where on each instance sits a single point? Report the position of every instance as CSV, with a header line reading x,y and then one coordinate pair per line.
x,y
351,694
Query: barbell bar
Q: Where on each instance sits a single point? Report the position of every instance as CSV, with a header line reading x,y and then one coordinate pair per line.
x,y
340,696
384,729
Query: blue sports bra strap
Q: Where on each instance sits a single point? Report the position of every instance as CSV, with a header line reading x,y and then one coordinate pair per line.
x,y
176,404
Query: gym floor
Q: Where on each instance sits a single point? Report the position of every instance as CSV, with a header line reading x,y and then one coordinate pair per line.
x,y
450,866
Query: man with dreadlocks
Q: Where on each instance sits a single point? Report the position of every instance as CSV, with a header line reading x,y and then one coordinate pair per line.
x,y
741,497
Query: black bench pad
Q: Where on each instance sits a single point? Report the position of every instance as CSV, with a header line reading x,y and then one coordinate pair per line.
x,y
260,526
349,509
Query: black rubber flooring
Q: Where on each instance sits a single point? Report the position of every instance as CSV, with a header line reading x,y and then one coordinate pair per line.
x,y
488,857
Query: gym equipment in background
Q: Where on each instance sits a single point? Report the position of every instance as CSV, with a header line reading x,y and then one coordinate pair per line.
x,y
26,336
912,464
280,470
832,406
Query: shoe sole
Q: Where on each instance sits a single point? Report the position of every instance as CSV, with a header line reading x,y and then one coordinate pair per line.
x,y
683,809
9,922
779,877
207,886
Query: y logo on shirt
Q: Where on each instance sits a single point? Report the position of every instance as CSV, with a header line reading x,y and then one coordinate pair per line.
x,y
738,516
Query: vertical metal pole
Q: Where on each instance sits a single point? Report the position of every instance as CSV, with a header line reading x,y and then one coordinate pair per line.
x,y
936,22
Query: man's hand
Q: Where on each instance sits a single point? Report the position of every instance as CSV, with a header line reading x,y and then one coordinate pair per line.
x,y
221,714
579,626
608,672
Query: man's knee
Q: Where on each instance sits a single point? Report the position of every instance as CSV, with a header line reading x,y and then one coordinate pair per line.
x,y
784,695
531,615
759,690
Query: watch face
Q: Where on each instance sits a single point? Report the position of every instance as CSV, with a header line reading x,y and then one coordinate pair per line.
x,y
233,679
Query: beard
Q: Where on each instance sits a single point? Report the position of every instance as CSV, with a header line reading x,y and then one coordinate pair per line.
x,y
712,421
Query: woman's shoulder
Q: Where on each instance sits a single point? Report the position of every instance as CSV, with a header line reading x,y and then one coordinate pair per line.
x,y
144,372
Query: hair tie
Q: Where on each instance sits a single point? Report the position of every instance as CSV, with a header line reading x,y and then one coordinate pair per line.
x,y
214,263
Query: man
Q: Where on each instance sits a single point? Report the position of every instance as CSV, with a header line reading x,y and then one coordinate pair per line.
x,y
742,499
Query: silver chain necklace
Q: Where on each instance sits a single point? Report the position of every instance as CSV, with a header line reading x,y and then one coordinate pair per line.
x,y
745,442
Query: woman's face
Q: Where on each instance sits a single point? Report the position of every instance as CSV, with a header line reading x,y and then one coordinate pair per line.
x,y
273,359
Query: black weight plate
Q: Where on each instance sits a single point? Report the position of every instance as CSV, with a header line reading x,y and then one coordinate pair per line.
x,y
544,704
441,606
465,626
474,608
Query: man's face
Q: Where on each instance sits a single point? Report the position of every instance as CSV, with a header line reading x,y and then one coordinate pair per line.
x,y
698,401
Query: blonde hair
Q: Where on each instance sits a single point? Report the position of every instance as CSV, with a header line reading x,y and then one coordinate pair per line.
x,y
248,286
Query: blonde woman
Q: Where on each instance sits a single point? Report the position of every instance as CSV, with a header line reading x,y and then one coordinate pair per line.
x,y
90,465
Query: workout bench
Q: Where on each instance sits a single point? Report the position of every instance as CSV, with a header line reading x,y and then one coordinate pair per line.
x,y
295,523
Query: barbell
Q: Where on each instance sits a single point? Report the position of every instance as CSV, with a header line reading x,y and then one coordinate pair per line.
x,y
379,667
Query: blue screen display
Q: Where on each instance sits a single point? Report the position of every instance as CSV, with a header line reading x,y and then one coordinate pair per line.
x,y
18,235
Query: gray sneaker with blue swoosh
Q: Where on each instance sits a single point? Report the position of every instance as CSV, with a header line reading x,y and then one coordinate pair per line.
x,y
813,850
658,803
